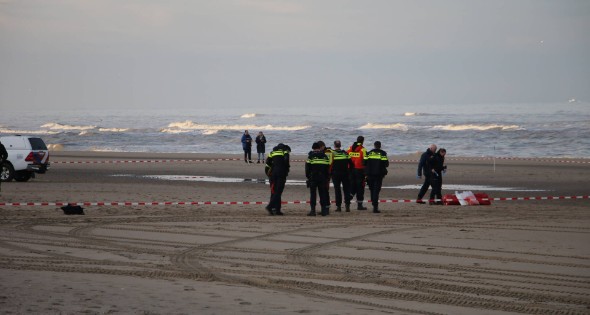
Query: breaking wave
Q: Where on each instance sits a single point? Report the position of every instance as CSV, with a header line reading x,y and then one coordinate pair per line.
x,y
251,115
188,126
56,126
477,127
27,132
415,114
403,127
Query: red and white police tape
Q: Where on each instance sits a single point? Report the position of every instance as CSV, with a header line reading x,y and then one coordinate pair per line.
x,y
195,203
238,159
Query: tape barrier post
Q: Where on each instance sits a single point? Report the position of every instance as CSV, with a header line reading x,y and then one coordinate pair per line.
x,y
200,203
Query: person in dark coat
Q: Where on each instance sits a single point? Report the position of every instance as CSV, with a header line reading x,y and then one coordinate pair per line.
x,y
438,168
376,165
341,166
260,146
247,146
317,172
277,169
425,167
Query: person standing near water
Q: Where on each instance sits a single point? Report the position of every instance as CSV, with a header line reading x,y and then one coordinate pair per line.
x,y
247,146
277,169
260,146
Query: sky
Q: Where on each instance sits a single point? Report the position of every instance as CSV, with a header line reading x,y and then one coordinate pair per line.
x,y
174,54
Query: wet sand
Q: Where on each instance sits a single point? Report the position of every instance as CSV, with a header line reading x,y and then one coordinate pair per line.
x,y
511,257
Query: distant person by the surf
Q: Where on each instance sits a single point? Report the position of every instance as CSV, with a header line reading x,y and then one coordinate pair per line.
x,y
438,168
277,169
247,146
357,154
425,167
376,165
3,157
260,146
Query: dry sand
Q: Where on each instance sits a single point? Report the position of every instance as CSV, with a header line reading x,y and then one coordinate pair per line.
x,y
511,257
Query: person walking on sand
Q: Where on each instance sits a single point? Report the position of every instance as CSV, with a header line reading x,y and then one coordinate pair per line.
x,y
341,166
317,172
3,157
438,168
247,146
260,146
277,169
376,164
425,167
357,154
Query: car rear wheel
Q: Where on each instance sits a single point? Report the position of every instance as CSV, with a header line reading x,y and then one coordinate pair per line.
x,y
22,176
6,172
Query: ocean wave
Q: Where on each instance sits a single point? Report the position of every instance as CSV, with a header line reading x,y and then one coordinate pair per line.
x,y
113,129
485,127
186,126
403,127
27,132
415,114
57,126
249,115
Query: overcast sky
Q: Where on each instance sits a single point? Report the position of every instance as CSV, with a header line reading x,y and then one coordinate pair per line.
x,y
141,54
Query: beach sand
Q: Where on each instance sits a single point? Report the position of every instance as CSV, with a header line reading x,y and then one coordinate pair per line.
x,y
511,257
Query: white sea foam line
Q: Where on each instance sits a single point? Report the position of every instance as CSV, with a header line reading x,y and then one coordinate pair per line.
x,y
238,159
183,203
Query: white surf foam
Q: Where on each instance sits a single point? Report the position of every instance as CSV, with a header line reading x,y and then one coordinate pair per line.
x,y
249,115
484,127
57,126
402,127
185,126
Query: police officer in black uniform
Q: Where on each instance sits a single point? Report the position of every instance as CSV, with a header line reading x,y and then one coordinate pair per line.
x,y
376,164
277,170
341,166
317,171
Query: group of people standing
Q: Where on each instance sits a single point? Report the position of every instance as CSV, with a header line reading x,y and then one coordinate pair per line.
x,y
349,171
247,146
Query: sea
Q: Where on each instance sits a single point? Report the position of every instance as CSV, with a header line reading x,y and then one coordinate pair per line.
x,y
548,130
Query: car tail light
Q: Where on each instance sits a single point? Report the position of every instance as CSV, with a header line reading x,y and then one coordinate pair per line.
x,y
38,158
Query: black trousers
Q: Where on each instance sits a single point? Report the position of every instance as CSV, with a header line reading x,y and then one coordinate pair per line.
x,y
319,187
344,181
277,185
357,184
375,183
248,154
436,192
424,188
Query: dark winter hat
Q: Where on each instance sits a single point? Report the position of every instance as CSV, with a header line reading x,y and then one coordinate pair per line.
x,y
315,146
360,139
377,144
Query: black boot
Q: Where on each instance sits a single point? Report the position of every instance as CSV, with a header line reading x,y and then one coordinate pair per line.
x,y
325,211
360,206
270,212
376,209
311,213
338,209
347,206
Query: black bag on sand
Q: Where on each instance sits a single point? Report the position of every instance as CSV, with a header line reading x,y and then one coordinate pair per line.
x,y
70,209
